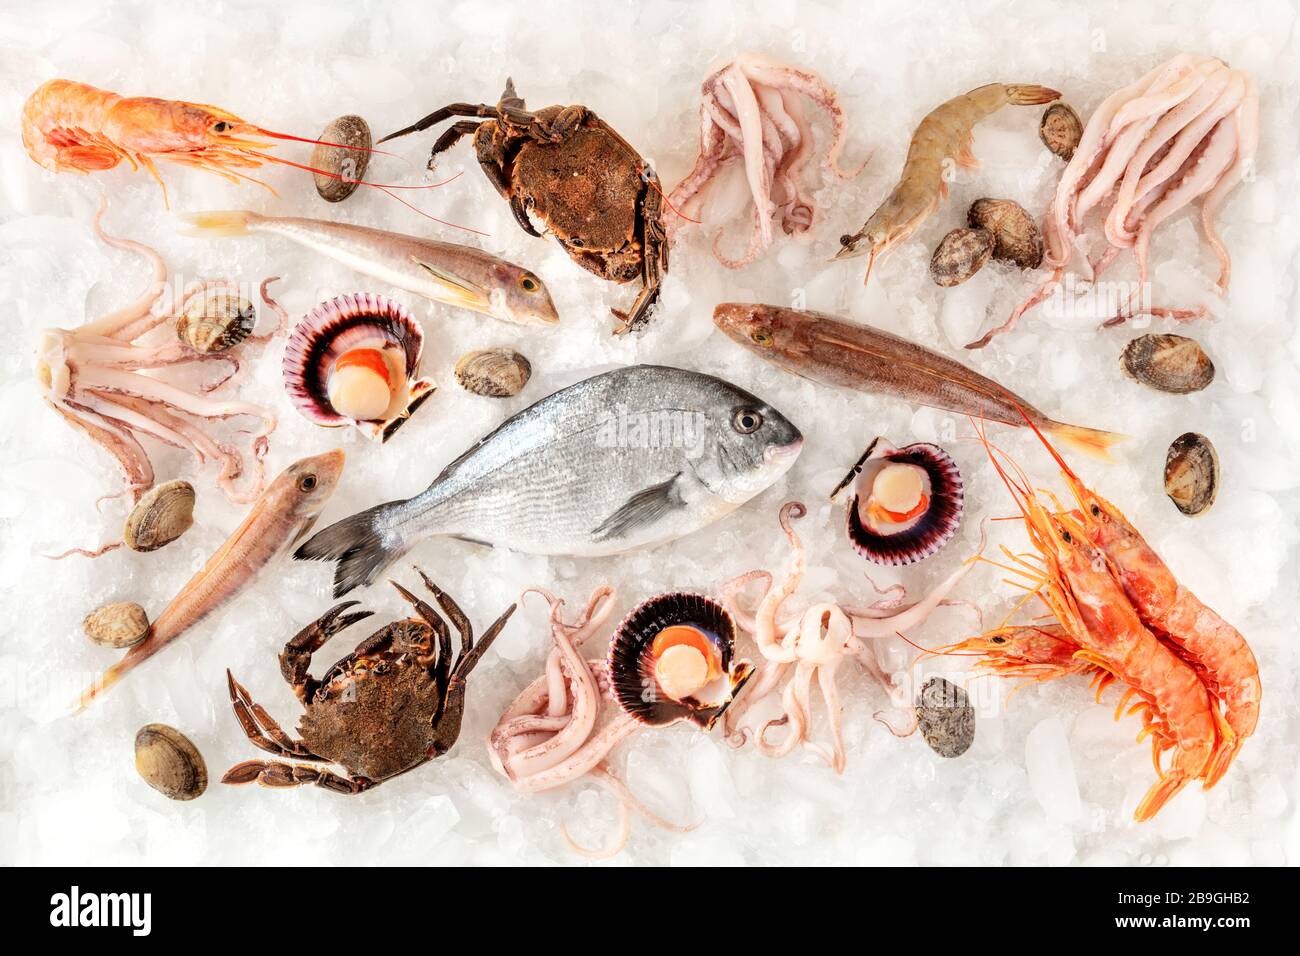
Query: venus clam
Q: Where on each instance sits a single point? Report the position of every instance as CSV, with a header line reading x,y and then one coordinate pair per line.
x,y
1192,473
496,373
160,517
342,168
1060,130
1168,363
672,659
906,503
169,762
215,320
117,625
1016,237
959,255
355,360
945,717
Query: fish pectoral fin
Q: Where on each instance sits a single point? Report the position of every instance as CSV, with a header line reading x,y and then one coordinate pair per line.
x,y
457,287
303,531
644,508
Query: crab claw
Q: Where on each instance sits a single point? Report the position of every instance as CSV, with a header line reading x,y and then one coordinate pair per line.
x,y
334,620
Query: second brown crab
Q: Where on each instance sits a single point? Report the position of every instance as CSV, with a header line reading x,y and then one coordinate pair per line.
x,y
564,167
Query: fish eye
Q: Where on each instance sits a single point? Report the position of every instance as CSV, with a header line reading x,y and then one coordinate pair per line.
x,y
220,126
529,283
746,421
762,337
307,482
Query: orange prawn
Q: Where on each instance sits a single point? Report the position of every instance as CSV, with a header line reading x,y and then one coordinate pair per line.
x,y
73,127
1078,587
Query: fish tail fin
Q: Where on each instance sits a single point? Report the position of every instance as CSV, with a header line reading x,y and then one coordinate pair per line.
x,y
220,222
358,544
104,682
1091,441
1029,95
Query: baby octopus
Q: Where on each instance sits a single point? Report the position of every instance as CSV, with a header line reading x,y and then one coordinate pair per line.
x,y
96,377
751,112
815,644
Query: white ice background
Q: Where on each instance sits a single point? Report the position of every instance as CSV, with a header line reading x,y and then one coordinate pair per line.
x,y
1050,778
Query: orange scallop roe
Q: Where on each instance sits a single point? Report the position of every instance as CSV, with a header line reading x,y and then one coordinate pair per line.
x,y
685,660
898,494
360,386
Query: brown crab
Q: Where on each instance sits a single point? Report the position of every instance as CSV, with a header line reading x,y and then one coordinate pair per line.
x,y
585,184
391,705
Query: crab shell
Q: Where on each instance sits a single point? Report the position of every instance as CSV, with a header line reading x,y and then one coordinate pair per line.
x,y
671,660
357,345
919,536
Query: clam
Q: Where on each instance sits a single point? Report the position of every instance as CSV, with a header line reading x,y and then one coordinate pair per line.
x,y
342,169
1192,473
169,763
945,717
1016,237
906,502
671,660
1060,130
117,625
960,255
1169,363
496,373
161,516
355,360
215,320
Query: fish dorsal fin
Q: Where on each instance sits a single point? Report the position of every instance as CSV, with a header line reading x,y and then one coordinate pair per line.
x,y
458,287
644,508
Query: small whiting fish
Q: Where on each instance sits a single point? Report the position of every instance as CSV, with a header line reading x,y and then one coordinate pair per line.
x,y
282,515
445,272
825,349
623,460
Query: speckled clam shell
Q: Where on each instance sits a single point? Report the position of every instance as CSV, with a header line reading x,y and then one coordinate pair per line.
x,y
335,327
631,668
927,533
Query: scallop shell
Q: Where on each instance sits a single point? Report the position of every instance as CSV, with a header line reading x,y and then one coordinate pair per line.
x,y
169,763
631,663
348,166
335,327
215,320
1060,130
1016,237
922,536
960,255
945,717
117,625
1168,363
160,517
496,373
1192,473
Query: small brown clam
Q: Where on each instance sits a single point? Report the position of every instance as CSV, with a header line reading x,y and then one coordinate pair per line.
x,y
1061,130
169,763
164,514
117,625
960,255
215,320
945,717
1192,473
496,373
342,169
1016,236
1169,363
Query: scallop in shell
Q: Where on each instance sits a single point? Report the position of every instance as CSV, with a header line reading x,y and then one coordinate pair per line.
x,y
1192,473
161,516
496,373
355,360
672,659
215,320
906,503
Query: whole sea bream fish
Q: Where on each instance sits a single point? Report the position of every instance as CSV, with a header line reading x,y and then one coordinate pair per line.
x,y
623,460
442,271
825,349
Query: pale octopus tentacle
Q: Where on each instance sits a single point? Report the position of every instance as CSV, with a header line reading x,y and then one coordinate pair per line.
x,y
1187,130
750,111
94,377
815,644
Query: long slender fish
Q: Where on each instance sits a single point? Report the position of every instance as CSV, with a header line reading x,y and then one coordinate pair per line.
x,y
442,271
834,352
623,460
284,513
